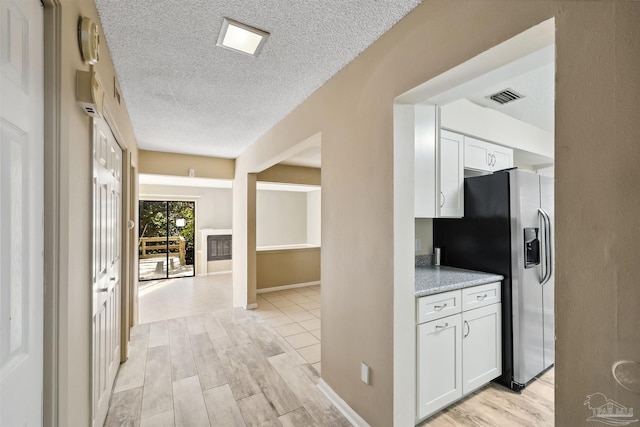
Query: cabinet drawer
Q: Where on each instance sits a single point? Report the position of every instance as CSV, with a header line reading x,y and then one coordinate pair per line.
x,y
479,296
436,306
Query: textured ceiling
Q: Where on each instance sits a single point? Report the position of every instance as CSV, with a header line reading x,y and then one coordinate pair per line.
x,y
184,94
536,107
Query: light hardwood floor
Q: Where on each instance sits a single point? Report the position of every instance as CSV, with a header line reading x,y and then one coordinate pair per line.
x,y
497,406
224,368
231,367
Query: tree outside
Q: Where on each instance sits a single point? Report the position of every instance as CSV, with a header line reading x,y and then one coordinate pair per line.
x,y
166,219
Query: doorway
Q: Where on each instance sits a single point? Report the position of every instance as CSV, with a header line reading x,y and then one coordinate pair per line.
x,y
167,239
525,60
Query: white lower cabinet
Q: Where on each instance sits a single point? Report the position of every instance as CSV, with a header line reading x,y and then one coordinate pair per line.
x,y
481,346
458,353
440,348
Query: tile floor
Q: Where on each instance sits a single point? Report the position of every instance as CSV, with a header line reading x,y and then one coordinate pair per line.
x,y
295,315
229,367
172,298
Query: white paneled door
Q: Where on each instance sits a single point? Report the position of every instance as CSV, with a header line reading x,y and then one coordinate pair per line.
x,y
21,212
107,232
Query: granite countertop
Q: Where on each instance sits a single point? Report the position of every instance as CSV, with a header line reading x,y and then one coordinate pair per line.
x,y
435,279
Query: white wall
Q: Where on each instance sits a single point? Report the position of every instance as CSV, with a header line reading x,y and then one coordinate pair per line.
x,y
313,218
213,205
281,218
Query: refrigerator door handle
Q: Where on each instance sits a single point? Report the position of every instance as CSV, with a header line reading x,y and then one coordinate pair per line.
x,y
548,259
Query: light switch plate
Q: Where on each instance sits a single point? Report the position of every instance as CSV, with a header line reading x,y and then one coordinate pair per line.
x,y
364,372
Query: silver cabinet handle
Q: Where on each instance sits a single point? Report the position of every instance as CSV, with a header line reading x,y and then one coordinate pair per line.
x,y
113,279
466,325
442,199
439,307
481,297
103,289
438,327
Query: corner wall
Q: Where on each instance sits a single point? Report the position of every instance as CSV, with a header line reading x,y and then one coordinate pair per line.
x,y
596,145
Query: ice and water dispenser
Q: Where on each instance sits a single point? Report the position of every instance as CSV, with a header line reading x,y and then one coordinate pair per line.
x,y
531,247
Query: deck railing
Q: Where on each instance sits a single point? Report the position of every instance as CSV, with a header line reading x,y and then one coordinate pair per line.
x,y
152,247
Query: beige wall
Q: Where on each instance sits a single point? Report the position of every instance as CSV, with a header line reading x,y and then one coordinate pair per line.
x,y
287,267
291,175
159,163
596,198
68,211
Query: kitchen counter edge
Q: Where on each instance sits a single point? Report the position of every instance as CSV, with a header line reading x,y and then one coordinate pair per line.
x,y
432,280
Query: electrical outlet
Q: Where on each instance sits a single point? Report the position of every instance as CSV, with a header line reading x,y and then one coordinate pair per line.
x,y
418,245
365,372
192,173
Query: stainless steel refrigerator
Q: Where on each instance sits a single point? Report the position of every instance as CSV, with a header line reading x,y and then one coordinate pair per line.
x,y
508,229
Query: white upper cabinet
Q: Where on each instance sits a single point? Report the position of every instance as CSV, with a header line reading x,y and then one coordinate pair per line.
x,y
439,164
485,156
451,174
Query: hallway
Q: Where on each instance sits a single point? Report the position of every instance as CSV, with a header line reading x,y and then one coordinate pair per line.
x,y
231,367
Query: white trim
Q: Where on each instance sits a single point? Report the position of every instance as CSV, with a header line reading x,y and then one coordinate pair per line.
x,y
53,217
284,287
214,273
341,405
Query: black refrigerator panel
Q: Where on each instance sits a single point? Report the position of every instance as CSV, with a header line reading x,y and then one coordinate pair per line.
x,y
481,241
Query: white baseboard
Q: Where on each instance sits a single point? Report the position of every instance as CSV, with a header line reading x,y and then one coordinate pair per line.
x,y
284,287
218,272
341,405
213,273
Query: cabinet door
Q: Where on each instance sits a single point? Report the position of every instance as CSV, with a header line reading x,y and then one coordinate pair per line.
x,y
451,175
418,125
439,361
482,346
476,154
502,158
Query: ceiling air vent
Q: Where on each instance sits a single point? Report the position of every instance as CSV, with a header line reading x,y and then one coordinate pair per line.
x,y
505,96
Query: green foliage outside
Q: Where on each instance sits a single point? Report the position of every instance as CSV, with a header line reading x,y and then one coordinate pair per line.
x,y
154,222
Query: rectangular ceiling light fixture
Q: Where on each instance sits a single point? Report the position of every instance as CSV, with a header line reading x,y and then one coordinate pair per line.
x,y
241,37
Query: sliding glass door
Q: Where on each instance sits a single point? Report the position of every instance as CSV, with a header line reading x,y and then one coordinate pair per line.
x,y
167,239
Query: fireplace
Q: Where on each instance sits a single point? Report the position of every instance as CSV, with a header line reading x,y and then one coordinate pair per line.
x,y
218,247
214,251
